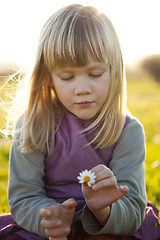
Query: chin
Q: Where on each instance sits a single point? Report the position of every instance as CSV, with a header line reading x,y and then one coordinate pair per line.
x,y
85,117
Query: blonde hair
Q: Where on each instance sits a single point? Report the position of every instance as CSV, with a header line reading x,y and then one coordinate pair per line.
x,y
66,39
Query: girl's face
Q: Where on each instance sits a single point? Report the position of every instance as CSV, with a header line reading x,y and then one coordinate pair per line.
x,y
82,90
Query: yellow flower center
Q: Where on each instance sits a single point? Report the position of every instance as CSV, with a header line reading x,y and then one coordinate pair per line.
x,y
86,179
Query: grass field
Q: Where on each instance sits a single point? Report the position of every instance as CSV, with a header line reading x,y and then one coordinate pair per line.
x,y
144,103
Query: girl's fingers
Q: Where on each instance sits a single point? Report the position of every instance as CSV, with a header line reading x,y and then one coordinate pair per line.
x,y
70,204
105,183
58,233
55,229
124,189
105,178
102,172
49,211
51,224
98,168
46,212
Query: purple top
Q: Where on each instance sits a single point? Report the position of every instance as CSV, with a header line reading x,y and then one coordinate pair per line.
x,y
72,156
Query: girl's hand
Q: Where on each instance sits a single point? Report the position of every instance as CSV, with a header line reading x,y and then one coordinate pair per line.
x,y
57,219
103,193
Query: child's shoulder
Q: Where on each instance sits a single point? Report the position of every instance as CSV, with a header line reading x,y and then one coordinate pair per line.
x,y
133,131
134,123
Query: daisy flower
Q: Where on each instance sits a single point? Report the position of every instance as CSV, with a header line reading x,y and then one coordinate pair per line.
x,y
87,177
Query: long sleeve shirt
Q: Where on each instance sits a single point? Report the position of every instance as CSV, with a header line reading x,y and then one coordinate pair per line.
x,y
37,180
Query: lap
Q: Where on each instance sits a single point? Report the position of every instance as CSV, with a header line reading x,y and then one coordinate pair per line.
x,y
150,229
108,237
9,230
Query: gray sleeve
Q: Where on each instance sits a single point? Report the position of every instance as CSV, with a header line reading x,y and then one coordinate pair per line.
x,y
127,165
26,189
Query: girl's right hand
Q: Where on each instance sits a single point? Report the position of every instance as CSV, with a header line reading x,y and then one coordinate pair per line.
x,y
57,219
103,193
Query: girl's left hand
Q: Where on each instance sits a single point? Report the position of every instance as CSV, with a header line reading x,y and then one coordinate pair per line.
x,y
57,219
103,193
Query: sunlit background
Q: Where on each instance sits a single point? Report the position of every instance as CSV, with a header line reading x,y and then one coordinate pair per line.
x,y
136,22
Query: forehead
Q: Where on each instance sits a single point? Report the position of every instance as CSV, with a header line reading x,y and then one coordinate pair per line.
x,y
91,64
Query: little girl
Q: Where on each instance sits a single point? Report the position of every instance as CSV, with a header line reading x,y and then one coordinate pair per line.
x,y
75,119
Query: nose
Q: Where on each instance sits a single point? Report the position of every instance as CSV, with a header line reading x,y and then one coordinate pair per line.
x,y
82,86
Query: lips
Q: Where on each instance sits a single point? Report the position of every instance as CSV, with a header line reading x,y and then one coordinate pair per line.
x,y
84,103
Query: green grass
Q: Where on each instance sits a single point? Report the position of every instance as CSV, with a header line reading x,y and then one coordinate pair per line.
x,y
144,103
4,156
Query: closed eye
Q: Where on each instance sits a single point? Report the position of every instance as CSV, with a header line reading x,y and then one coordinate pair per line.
x,y
96,75
66,78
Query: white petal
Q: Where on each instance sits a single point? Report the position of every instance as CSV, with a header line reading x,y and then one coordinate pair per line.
x,y
81,181
89,184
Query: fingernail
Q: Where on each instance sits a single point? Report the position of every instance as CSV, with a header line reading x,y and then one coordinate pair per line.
x,y
48,212
45,211
67,229
94,187
58,222
124,188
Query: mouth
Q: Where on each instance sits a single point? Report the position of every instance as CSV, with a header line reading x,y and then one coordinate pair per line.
x,y
84,103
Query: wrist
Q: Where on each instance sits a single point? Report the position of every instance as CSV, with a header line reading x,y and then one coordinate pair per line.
x,y
102,215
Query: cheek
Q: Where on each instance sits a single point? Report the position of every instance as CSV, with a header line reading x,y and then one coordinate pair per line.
x,y
62,95
105,95
58,89
105,89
